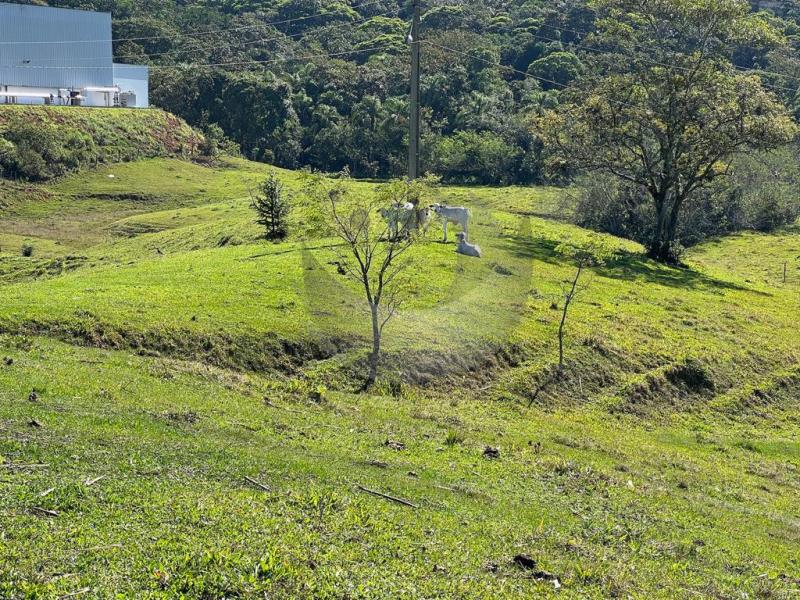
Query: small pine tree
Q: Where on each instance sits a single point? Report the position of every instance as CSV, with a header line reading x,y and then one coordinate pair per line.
x,y
272,207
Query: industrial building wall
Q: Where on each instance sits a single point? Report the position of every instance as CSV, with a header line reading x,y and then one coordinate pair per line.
x,y
54,47
133,79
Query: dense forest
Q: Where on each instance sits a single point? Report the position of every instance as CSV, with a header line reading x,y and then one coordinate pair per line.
x,y
324,84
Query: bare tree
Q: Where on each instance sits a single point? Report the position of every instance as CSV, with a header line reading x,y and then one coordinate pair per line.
x,y
593,253
369,255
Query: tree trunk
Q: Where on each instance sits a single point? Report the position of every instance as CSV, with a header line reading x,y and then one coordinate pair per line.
x,y
568,298
661,247
372,376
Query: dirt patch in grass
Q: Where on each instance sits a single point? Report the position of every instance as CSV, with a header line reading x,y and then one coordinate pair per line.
x,y
589,371
131,197
130,229
18,268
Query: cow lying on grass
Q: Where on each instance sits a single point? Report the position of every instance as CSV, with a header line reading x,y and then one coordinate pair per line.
x,y
465,248
453,214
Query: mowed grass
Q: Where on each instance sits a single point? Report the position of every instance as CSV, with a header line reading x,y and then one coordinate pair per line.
x,y
669,451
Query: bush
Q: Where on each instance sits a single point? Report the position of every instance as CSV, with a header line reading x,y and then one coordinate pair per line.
x,y
39,151
27,250
605,204
470,157
215,142
273,208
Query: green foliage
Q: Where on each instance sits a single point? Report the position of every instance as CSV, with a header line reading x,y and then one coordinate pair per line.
x,y
216,142
453,438
39,151
351,110
469,157
557,70
273,207
419,192
758,194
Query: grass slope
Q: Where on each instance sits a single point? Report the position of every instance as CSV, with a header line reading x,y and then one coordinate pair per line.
x,y
663,465
65,139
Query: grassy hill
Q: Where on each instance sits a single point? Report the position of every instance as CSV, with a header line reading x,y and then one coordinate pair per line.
x,y
42,142
155,341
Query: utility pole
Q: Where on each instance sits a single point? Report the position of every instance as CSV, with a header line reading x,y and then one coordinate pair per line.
x,y
413,138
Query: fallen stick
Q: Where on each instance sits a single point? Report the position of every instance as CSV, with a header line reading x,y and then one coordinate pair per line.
x,y
91,482
392,498
444,487
47,492
257,484
44,511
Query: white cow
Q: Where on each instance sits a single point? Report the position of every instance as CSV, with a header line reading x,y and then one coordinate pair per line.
x,y
465,248
398,217
453,214
423,217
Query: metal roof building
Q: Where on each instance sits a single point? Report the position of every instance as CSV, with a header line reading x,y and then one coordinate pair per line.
x,y
64,56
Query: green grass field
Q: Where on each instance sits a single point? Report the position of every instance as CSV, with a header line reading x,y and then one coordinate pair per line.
x,y
155,353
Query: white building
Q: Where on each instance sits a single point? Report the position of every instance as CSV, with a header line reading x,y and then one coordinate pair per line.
x,y
63,56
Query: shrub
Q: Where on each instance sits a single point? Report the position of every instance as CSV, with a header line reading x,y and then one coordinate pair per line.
x,y
215,142
39,143
471,157
605,204
27,250
272,207
39,151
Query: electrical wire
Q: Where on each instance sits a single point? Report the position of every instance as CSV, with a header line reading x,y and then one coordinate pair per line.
x,y
188,34
183,66
667,65
238,44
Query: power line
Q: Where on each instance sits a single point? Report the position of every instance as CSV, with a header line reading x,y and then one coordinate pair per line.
x,y
525,74
236,63
188,34
667,65
581,45
494,64
238,43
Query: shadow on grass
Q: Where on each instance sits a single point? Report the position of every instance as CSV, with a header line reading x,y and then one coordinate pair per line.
x,y
627,267
637,267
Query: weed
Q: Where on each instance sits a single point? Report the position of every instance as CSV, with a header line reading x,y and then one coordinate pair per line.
x,y
453,438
